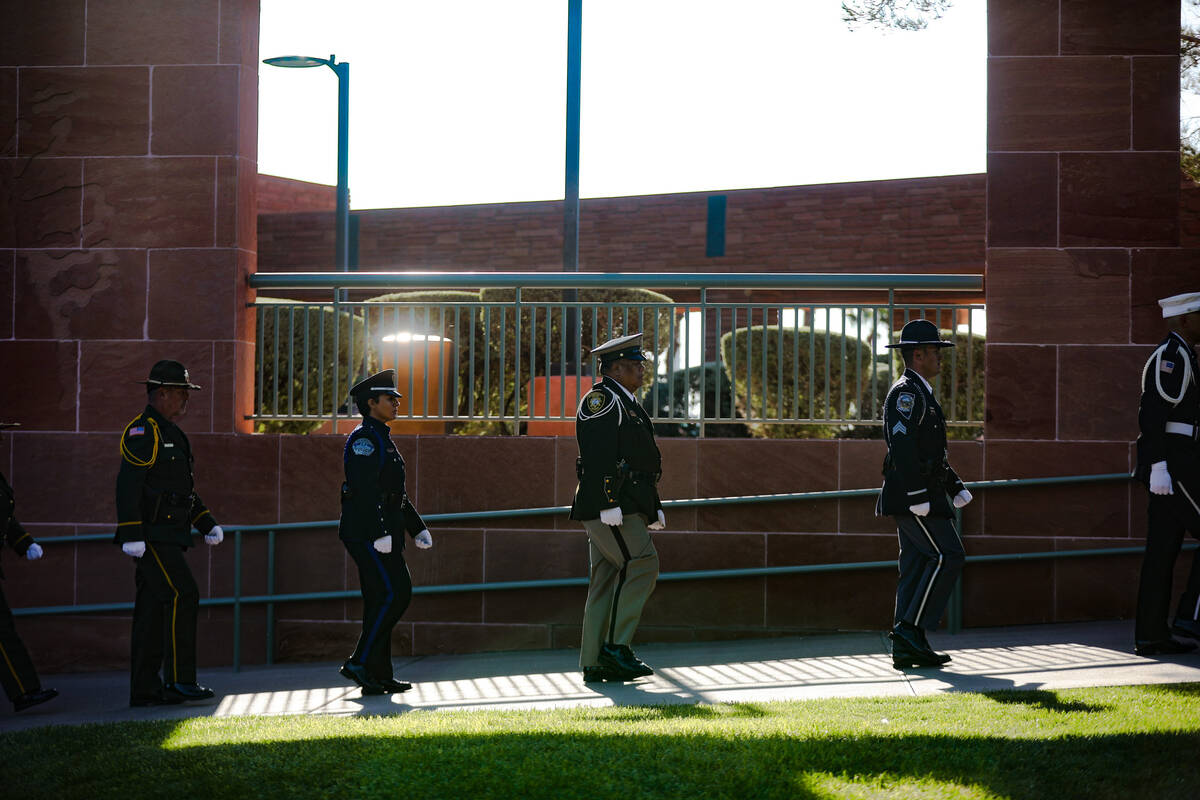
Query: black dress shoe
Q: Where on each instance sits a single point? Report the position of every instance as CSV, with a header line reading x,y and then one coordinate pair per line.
x,y
620,658
391,685
358,673
159,699
605,674
187,692
943,658
1163,647
906,655
1186,627
30,699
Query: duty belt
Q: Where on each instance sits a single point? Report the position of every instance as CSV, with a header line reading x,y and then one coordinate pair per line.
x,y
1182,429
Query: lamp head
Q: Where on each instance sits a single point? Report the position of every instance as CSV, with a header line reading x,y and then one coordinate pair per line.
x,y
299,61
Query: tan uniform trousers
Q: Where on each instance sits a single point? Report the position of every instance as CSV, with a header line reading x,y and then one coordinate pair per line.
x,y
624,568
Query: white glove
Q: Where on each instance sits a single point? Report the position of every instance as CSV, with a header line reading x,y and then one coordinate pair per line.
x,y
383,544
962,498
34,552
423,540
662,522
135,549
1160,479
612,516
920,509
215,536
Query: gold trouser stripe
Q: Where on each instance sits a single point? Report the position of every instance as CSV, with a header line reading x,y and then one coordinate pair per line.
x,y
174,609
12,669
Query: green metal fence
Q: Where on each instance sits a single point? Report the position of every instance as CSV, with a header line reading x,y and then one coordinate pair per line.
x,y
511,362
238,600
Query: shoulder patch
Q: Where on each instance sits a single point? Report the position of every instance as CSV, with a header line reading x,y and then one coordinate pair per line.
x,y
138,431
899,428
595,401
362,447
904,403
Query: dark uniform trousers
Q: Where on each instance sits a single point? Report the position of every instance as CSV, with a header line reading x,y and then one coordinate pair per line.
x,y
623,572
165,609
1170,401
386,590
931,558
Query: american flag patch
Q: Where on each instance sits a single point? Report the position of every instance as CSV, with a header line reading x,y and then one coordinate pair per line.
x,y
1166,366
138,431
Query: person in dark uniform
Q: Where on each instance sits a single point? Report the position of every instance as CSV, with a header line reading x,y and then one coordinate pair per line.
x,y
376,513
1168,463
17,675
921,491
617,501
157,507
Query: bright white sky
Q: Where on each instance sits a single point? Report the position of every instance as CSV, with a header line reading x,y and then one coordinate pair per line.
x,y
462,101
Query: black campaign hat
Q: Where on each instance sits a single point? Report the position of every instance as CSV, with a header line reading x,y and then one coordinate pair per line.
x,y
379,383
169,373
921,332
629,347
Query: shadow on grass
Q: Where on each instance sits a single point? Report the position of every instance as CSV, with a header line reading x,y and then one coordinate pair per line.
x,y
1041,698
133,762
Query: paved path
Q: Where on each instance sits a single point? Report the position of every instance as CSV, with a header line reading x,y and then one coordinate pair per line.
x,y
1043,657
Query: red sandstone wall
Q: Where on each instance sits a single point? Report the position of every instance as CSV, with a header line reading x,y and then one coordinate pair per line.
x,y
286,195
926,224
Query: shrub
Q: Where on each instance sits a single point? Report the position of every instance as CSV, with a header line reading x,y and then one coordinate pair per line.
x,y
286,392
796,358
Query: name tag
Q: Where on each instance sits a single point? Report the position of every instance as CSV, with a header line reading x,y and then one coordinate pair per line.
x,y
168,444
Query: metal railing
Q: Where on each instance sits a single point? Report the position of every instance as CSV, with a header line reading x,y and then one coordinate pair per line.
x,y
270,599
510,356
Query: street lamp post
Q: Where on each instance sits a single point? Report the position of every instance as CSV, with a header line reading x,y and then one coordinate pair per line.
x,y
342,70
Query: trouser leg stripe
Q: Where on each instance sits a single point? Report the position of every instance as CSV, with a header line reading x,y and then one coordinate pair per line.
x,y
174,612
612,617
12,669
933,577
384,609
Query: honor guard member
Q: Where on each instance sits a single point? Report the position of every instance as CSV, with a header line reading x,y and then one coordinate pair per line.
x,y
918,484
618,468
17,674
376,514
1168,463
157,507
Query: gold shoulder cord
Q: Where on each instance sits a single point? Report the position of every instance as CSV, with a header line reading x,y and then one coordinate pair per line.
x,y
130,457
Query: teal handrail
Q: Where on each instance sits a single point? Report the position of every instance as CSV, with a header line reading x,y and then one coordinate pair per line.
x,y
957,282
238,600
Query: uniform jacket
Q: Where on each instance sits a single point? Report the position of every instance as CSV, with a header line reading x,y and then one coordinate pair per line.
x,y
619,463
374,502
156,498
917,468
11,531
1170,394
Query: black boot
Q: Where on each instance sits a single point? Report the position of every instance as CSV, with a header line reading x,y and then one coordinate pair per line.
x,y
620,658
358,673
908,651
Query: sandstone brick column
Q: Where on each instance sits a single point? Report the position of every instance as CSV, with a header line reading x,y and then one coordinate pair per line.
x,y
1082,235
128,136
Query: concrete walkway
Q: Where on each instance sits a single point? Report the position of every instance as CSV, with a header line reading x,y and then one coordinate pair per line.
x,y
794,668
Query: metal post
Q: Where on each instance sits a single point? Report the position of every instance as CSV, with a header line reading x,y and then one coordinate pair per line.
x,y
571,190
237,601
342,239
270,591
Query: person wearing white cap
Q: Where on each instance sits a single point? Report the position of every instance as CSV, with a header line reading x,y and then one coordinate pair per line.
x,y
920,491
617,501
1168,463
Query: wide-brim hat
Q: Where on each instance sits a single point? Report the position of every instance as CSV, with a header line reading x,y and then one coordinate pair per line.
x,y
169,373
921,332
629,347
1179,304
379,383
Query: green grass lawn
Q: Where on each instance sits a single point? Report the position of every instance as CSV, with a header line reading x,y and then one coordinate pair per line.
x,y
1123,742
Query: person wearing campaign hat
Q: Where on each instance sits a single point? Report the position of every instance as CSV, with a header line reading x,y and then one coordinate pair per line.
x,y
920,491
617,501
376,515
157,507
1168,463
17,675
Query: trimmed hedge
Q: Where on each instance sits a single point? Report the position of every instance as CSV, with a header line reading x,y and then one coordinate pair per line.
x,y
787,377
319,323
